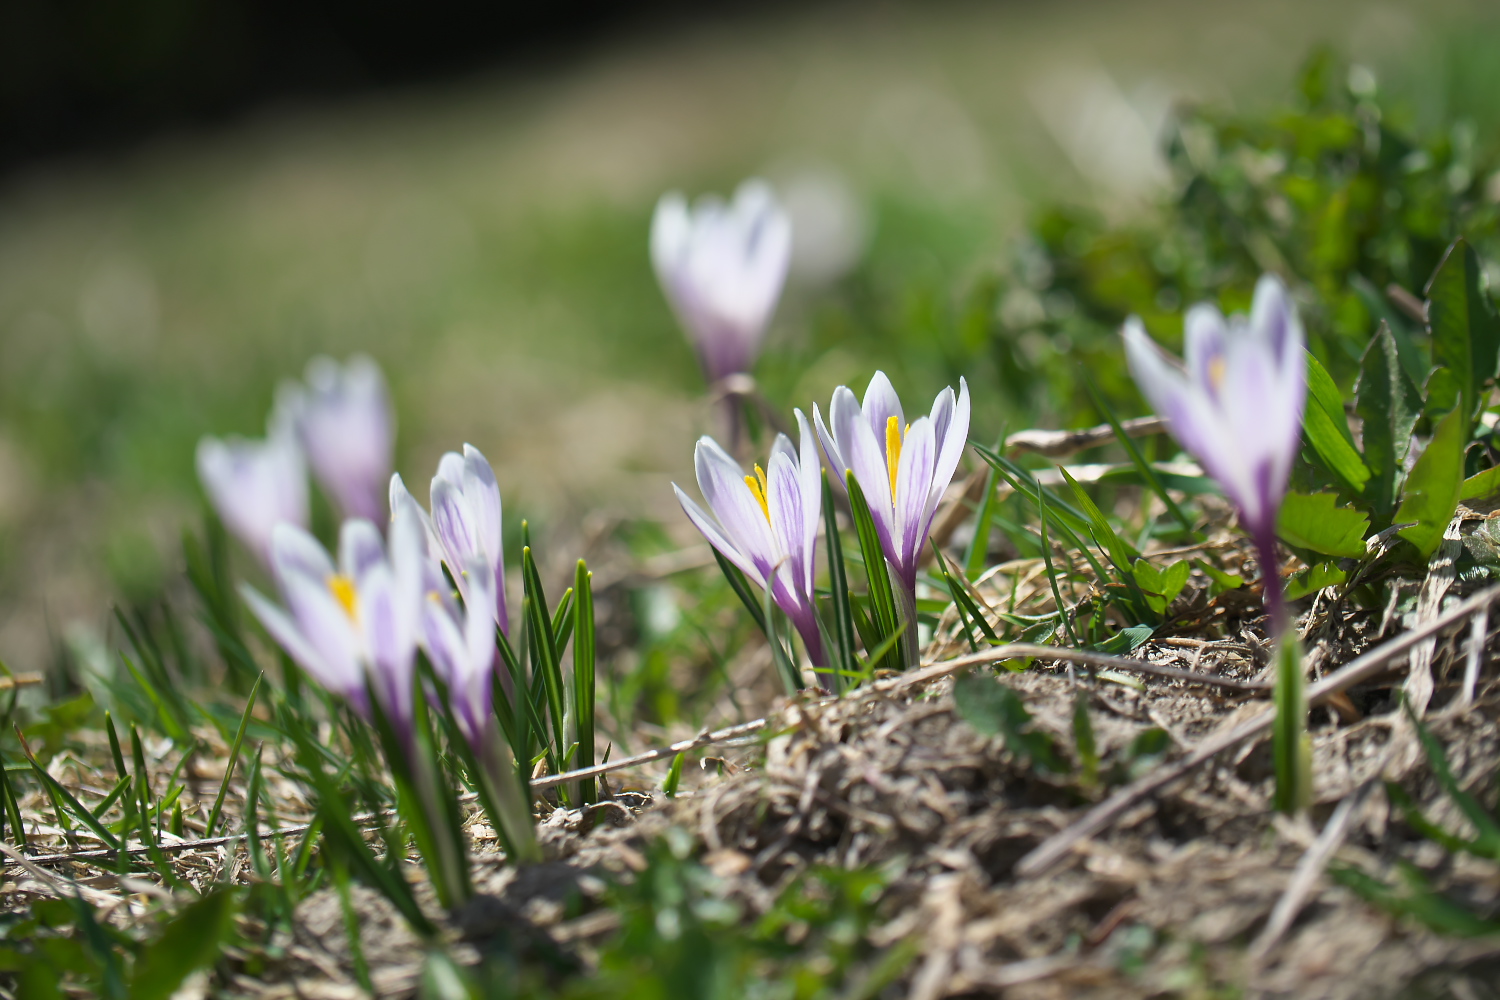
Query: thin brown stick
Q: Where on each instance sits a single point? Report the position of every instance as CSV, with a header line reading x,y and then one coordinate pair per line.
x,y
20,680
1361,668
1058,444
1087,657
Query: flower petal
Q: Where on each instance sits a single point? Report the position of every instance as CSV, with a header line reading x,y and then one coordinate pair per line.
x,y
880,404
866,460
913,486
950,429
722,482
295,553
360,548
716,537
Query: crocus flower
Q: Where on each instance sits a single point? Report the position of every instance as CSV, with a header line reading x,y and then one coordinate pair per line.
x,y
348,431
256,484
766,523
354,622
1236,405
722,267
464,529
461,645
902,469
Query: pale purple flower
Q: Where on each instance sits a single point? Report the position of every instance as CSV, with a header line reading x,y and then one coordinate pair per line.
x,y
256,484
1236,404
354,622
767,523
464,528
722,267
460,642
902,469
348,430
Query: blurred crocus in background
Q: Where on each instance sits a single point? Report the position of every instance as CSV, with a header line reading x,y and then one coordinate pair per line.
x,y
464,527
348,431
1236,405
255,485
354,622
767,523
902,469
722,267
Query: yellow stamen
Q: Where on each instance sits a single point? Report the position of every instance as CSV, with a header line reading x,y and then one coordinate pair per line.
x,y
892,450
757,484
1216,370
343,591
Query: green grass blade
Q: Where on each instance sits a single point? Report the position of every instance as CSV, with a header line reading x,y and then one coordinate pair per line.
x,y
66,799
12,809
584,693
979,544
741,587
562,621
1136,458
234,756
116,754
674,776
838,586
785,666
1062,608
544,651
877,575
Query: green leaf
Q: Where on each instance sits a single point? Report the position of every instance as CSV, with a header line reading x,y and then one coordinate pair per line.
x,y
838,585
1220,581
1327,428
1481,485
1433,487
1160,587
190,940
1314,578
1465,333
1127,640
1316,522
1388,405
994,709
584,691
234,756
882,598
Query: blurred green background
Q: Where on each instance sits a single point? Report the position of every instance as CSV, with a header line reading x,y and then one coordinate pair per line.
x,y
485,240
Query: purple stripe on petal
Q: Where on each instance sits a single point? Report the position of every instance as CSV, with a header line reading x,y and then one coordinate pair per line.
x,y
784,498
286,634
722,482
1204,347
327,628
360,548
866,458
810,479
951,435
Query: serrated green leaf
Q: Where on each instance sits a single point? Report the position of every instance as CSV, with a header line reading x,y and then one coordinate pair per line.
x,y
1316,522
190,941
1433,487
1388,405
1327,428
1465,332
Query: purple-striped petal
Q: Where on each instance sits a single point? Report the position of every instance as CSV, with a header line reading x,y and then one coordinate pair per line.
x,y
716,537
722,483
295,553
810,480
950,429
913,485
784,500
880,404
360,548
867,461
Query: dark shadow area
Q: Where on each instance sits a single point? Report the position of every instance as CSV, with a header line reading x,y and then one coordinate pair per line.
x,y
86,75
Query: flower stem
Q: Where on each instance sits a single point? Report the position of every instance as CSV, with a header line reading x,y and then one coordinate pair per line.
x,y
1273,594
906,610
